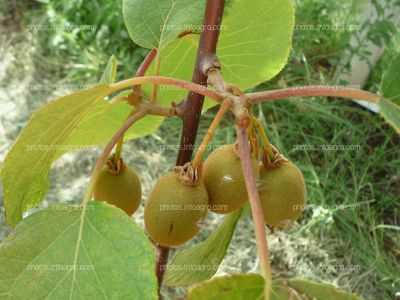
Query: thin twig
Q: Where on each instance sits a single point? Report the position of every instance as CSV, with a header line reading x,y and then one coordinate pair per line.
x,y
253,140
309,91
144,66
107,150
256,209
156,73
161,80
264,138
137,90
118,149
210,132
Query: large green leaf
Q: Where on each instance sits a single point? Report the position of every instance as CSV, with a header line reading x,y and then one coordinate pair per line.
x,y
26,168
155,23
255,41
205,256
80,120
253,47
62,252
390,85
390,112
251,286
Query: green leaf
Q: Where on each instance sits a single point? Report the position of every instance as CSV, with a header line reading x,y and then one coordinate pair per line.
x,y
101,123
205,256
251,286
320,291
110,72
155,23
390,86
76,121
390,112
177,60
62,252
235,287
26,167
256,42
253,47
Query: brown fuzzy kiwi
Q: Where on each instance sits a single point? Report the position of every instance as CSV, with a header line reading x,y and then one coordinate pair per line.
x,y
120,188
223,177
283,194
174,209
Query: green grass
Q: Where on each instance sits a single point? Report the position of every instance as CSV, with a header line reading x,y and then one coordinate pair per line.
x,y
367,178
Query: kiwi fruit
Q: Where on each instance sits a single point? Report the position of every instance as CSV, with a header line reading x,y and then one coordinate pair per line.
x,y
223,177
174,209
121,188
283,194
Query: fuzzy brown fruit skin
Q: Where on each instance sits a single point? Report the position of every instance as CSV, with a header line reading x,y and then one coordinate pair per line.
x,y
223,177
173,210
282,193
122,190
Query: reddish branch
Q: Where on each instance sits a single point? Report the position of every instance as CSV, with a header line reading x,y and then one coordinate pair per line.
x,y
307,91
162,80
194,102
107,150
144,66
205,54
256,209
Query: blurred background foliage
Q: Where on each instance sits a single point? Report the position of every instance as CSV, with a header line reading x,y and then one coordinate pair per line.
x,y
366,179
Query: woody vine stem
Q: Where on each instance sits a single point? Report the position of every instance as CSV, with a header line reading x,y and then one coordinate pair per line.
x,y
194,102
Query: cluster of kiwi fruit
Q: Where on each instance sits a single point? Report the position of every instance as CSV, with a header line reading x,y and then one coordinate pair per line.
x,y
179,201
281,186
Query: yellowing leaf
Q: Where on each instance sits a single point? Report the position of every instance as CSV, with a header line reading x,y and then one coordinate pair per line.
x,y
320,291
101,123
251,286
26,167
110,72
234,287
390,112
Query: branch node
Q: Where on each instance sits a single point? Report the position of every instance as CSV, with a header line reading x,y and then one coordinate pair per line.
x,y
135,97
210,62
215,79
241,103
180,108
